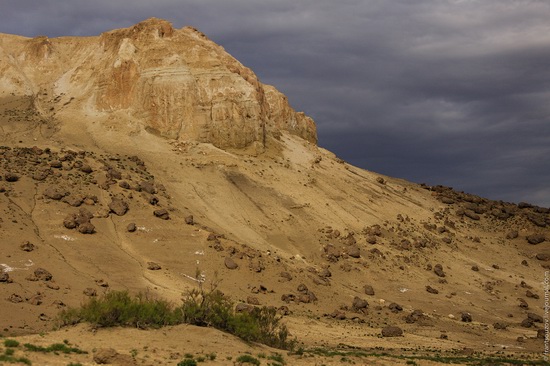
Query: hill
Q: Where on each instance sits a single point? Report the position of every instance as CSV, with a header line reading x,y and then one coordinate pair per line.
x,y
136,159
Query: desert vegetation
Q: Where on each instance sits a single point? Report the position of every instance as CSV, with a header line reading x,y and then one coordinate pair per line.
x,y
199,307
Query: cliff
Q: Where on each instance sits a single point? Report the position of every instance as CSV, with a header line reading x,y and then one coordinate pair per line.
x,y
175,83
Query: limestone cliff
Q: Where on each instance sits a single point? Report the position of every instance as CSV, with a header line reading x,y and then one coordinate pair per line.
x,y
175,83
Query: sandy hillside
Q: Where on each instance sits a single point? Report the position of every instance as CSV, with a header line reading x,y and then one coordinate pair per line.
x,y
132,160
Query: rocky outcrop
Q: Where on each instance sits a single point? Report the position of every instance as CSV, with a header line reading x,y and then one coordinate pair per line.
x,y
175,83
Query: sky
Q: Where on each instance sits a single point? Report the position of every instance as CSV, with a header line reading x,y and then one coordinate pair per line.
x,y
450,92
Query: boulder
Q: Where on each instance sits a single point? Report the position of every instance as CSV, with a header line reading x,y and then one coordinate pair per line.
x,y
392,331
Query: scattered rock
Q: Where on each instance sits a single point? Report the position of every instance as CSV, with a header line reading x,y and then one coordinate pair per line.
x,y
86,228
395,307
512,234
102,283
35,300
131,227
545,257
5,277
431,290
153,200
162,214
189,220
252,300
359,304
535,318
392,331
153,266
354,251
52,285
307,297
371,239
90,292
531,294
105,356
54,193
288,297
243,308
466,317
11,177
15,298
471,214
256,265
147,187
338,315
56,164
415,316
369,290
85,168
230,263
527,323
302,288
523,304
475,268
123,184
283,310
40,274
535,239
325,273
73,200
438,270
27,246
500,326
118,206
285,276
41,174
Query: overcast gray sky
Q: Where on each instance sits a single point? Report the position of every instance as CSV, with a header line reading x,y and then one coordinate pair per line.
x,y
452,92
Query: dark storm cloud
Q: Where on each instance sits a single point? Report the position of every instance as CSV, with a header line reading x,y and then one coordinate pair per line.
x,y
452,92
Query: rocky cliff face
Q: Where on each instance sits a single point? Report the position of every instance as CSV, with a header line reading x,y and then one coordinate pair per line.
x,y
176,83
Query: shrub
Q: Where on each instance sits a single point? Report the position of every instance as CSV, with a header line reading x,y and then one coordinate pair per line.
x,y
202,308
213,308
10,343
248,359
118,308
277,357
188,362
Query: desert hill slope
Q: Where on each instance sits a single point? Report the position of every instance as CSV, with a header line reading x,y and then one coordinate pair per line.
x,y
133,159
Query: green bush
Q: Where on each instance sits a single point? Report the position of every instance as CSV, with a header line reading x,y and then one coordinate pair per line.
x,y
248,359
202,308
11,343
118,308
188,362
216,310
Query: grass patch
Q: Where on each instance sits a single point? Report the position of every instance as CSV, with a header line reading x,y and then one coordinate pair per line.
x,y
11,359
411,360
277,357
55,348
